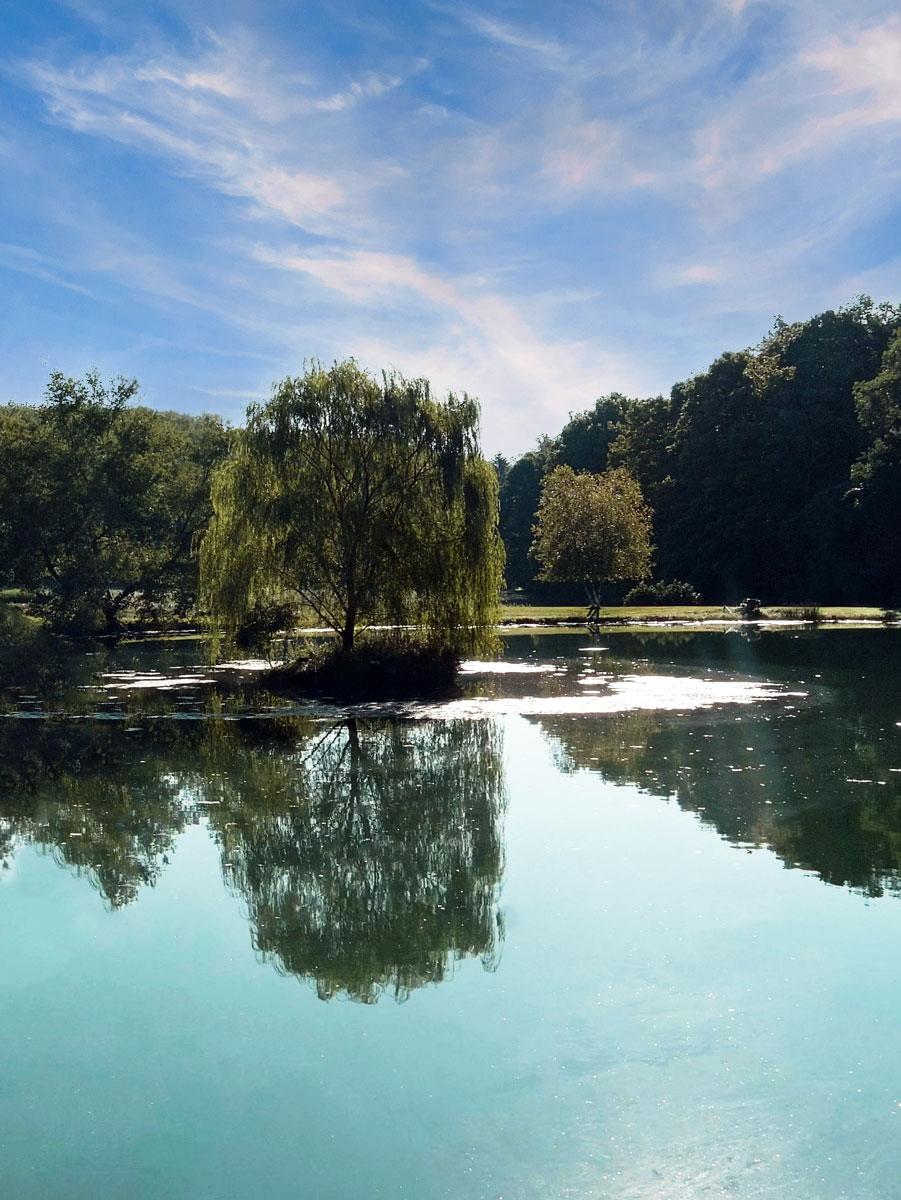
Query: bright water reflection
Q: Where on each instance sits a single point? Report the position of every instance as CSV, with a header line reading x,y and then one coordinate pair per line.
x,y
636,1011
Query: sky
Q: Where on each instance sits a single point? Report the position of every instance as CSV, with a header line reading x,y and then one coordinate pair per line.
x,y
535,204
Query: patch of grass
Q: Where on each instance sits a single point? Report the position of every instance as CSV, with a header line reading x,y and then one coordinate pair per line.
x,y
637,612
804,612
827,612
525,613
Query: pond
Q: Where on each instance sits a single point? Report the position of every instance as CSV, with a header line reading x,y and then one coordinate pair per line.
x,y
619,920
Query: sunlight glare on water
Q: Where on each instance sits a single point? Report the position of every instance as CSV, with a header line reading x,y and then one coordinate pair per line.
x,y
634,942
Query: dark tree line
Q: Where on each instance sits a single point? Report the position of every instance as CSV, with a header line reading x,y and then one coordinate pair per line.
x,y
777,471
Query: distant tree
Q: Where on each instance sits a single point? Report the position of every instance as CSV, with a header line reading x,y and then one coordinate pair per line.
x,y
501,468
367,500
519,496
643,443
101,501
714,518
878,404
18,535
592,529
583,444
584,441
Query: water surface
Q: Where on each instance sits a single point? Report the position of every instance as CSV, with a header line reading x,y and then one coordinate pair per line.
x,y
623,926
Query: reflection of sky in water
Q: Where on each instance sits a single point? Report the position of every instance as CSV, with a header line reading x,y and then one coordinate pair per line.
x,y
672,1016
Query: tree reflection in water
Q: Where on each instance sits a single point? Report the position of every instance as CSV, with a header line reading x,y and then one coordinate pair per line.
x,y
812,783
370,857
383,864
104,802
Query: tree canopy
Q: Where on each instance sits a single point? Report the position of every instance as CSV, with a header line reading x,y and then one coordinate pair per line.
x,y
100,501
592,529
747,465
876,475
772,472
365,499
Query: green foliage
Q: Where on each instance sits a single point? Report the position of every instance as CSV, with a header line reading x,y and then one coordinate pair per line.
x,y
264,622
584,441
592,528
746,465
675,592
519,496
876,475
367,500
584,444
101,501
803,612
643,443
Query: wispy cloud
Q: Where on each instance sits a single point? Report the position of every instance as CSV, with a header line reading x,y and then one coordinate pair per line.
x,y
812,104
28,261
865,67
509,204
537,44
223,115
487,345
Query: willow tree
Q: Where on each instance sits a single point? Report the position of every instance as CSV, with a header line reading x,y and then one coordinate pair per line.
x,y
592,529
367,500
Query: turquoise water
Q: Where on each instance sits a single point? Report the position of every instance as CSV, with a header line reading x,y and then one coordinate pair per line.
x,y
648,948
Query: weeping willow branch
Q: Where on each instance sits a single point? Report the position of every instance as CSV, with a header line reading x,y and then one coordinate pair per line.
x,y
367,498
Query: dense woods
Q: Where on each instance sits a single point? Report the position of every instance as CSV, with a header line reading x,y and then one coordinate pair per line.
x,y
775,472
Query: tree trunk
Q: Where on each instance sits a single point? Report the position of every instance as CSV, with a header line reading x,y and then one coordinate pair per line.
x,y
347,633
110,609
592,590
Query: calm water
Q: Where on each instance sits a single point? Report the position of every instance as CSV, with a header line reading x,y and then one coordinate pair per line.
x,y
625,926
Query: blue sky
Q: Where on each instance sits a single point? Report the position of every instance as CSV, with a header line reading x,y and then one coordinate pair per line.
x,y
533,203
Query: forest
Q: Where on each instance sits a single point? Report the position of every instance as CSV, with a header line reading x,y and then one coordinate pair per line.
x,y
774,472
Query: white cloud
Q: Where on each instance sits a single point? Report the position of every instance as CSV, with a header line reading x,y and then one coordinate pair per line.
x,y
503,33
365,275
218,116
442,222
370,87
868,67
486,346
810,105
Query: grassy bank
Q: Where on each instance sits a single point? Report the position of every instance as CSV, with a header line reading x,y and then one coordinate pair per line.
x,y
524,613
